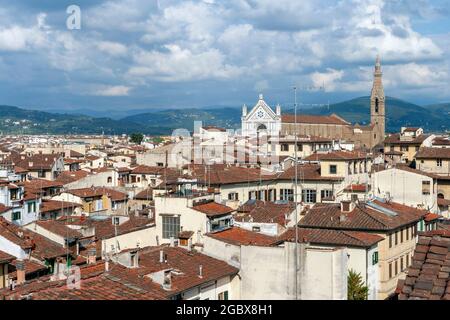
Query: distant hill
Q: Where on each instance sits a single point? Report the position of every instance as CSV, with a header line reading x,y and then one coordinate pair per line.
x,y
399,113
433,118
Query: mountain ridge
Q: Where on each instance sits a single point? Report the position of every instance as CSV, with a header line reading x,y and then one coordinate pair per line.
x,y
15,120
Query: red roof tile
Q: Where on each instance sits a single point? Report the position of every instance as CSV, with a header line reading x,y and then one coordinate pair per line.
x,y
213,209
239,236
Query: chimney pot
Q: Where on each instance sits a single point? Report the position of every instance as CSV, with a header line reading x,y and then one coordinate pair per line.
x,y
161,256
200,271
20,267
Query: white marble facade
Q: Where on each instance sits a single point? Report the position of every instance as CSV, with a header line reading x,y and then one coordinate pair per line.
x,y
261,119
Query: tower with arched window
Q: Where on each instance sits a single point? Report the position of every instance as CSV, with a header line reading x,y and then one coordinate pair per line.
x,y
377,105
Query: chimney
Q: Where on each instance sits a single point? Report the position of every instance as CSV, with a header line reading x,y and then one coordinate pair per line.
x,y
30,164
20,267
172,242
161,256
347,205
92,256
200,271
189,247
106,265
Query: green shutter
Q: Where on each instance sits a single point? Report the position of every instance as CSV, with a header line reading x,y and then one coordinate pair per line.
x,y
225,295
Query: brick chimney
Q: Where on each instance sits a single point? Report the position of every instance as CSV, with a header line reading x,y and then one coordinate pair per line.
x,y
347,205
92,256
20,268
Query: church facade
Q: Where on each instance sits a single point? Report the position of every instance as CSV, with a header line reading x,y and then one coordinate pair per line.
x,y
263,119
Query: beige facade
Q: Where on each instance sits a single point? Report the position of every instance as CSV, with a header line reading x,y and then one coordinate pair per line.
x,y
395,255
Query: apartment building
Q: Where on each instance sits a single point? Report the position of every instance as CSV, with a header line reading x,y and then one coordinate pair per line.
x,y
409,141
397,224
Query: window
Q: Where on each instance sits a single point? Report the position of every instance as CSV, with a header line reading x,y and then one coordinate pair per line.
x,y
401,264
401,236
299,147
109,180
251,195
396,238
439,162
233,196
390,270
404,148
31,207
333,169
425,187
170,226
16,215
390,240
160,164
41,174
309,196
223,295
407,260
407,234
376,105
417,148
414,231
326,194
184,242
287,194
256,229
396,267
284,147
375,258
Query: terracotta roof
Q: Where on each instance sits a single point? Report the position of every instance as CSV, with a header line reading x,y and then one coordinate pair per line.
x,y
395,139
38,185
5,257
55,205
332,237
356,188
74,154
264,212
441,141
36,162
59,228
70,176
313,119
31,268
212,209
428,276
242,237
307,171
338,155
142,169
184,261
4,208
146,194
433,153
432,216
96,284
104,229
41,247
362,218
185,234
219,174
98,191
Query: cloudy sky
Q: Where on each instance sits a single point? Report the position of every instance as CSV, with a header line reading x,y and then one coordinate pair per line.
x,y
162,54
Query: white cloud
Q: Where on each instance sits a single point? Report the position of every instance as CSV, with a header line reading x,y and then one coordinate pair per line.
x,y
112,48
327,79
179,64
112,91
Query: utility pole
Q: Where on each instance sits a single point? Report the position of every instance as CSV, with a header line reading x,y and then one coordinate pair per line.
x,y
295,194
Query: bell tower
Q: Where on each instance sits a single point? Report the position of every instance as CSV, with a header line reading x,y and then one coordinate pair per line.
x,y
377,105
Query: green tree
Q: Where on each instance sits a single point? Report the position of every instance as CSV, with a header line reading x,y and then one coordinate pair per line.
x,y
137,138
356,288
